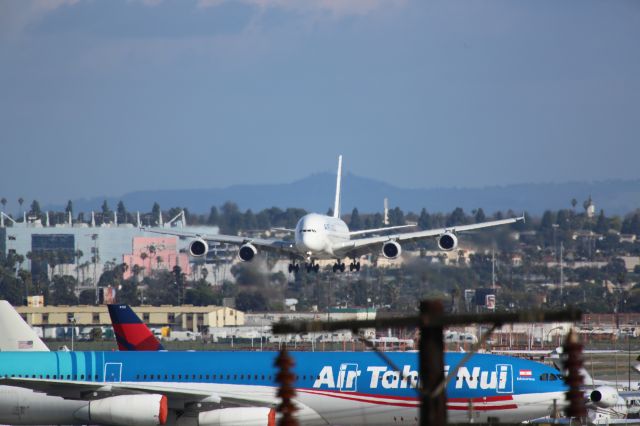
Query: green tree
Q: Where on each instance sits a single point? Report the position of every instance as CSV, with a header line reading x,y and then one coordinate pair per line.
x,y
121,211
35,209
3,201
214,216
356,222
155,213
480,216
424,220
106,211
62,290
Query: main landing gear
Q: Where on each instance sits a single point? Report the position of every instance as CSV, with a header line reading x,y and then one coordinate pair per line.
x,y
312,267
354,266
309,266
339,266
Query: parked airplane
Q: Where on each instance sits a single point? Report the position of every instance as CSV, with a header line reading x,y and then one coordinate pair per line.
x,y
318,236
225,388
15,333
131,333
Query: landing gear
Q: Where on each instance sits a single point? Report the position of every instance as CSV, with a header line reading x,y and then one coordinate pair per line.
x,y
294,267
312,267
339,266
354,266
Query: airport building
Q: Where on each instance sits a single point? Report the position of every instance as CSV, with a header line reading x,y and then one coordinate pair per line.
x,y
53,321
84,250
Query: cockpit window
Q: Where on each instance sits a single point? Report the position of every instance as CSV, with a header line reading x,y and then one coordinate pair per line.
x,y
545,376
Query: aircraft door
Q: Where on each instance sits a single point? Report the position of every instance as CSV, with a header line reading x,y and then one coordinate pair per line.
x,y
113,372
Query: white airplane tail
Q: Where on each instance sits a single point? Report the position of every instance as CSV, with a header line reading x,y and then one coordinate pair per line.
x,y
336,205
15,333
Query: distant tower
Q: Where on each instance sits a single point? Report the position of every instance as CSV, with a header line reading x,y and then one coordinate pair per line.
x,y
589,208
386,212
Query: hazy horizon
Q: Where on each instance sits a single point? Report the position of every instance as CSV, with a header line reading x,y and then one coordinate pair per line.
x,y
107,98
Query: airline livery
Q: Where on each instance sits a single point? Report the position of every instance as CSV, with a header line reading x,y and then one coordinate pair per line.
x,y
318,236
227,388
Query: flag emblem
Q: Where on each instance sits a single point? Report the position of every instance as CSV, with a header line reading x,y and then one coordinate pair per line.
x,y
25,344
526,373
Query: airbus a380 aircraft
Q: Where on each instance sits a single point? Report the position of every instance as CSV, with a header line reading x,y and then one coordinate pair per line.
x,y
318,236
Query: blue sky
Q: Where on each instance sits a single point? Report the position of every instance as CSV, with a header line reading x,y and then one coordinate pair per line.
x,y
107,97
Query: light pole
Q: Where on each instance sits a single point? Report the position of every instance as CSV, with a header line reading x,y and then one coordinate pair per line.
x,y
72,319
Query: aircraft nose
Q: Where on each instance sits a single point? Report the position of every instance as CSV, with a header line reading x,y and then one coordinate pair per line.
x,y
311,241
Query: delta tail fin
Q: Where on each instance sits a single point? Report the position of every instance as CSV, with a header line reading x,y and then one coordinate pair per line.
x,y
15,333
131,333
336,205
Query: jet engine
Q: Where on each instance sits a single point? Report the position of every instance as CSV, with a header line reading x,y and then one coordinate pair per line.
x,y
250,416
604,397
198,248
391,249
448,241
247,252
125,410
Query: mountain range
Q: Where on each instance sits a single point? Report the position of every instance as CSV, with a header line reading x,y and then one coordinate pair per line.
x,y
316,193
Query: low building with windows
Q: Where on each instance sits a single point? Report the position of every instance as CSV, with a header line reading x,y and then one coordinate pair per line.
x,y
186,317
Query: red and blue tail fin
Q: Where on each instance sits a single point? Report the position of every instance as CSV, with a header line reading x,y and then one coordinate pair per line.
x,y
131,333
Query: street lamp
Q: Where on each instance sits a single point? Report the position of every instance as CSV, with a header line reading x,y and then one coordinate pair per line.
x,y
72,319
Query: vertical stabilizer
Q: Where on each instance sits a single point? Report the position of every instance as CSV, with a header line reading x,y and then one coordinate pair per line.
x,y
15,333
131,333
336,205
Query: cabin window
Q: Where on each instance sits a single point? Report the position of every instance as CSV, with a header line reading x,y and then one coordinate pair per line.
x,y
81,377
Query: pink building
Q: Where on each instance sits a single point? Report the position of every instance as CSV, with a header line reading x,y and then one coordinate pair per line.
x,y
154,253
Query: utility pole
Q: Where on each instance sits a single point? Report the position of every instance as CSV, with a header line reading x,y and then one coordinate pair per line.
x,y
561,273
493,268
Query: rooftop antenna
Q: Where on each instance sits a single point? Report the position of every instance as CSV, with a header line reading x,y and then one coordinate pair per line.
x,y
115,218
386,212
46,218
2,216
184,218
93,219
160,218
69,220
138,224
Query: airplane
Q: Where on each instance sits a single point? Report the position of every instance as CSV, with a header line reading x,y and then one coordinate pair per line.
x,y
318,236
15,333
227,388
131,333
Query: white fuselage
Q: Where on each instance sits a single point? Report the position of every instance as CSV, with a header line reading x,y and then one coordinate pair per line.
x,y
316,235
21,406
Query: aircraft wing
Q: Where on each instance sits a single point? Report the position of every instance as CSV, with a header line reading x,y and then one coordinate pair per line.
x,y
267,244
178,397
362,245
